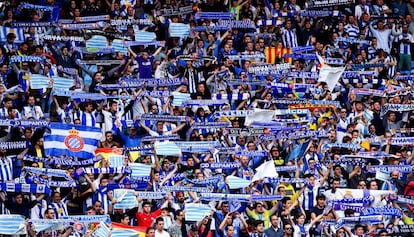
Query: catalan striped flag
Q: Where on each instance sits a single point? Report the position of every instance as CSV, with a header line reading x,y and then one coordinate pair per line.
x,y
119,229
275,55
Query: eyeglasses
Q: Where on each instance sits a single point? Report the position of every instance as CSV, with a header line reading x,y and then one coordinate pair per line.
x,y
288,228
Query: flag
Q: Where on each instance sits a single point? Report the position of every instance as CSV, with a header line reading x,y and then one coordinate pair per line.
x,y
38,81
299,150
18,31
72,140
12,225
167,148
179,30
374,196
97,41
102,230
329,74
236,182
113,155
62,83
273,54
265,170
259,115
125,199
140,170
119,46
179,98
121,230
196,211
145,36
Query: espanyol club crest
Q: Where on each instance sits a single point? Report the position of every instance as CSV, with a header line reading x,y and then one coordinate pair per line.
x,y
73,141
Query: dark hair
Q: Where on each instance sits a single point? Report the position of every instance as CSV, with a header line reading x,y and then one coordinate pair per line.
x,y
159,219
148,230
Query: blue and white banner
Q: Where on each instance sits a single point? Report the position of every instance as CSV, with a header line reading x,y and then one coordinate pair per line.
x,y
214,15
79,26
166,118
397,108
124,22
179,30
63,38
116,160
300,74
180,98
202,125
354,41
232,113
48,172
404,78
224,165
32,59
284,180
150,195
24,188
139,170
344,145
196,212
102,230
25,24
72,140
185,189
53,183
18,32
13,145
145,36
125,199
359,197
366,91
325,3
132,185
167,149
38,81
93,18
245,24
263,69
249,57
160,138
235,182
199,145
12,225
119,45
386,211
97,41
180,12
225,197
205,102
402,141
62,83
390,168
231,97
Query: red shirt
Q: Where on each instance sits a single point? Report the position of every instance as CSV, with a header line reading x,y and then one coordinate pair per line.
x,y
146,220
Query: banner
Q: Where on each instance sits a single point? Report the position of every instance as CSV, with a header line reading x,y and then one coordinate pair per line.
x,y
63,38
140,170
214,15
225,165
167,149
180,12
13,145
125,199
402,141
124,22
24,188
390,168
232,24
235,182
397,108
145,36
12,225
326,3
72,140
47,172
179,30
196,211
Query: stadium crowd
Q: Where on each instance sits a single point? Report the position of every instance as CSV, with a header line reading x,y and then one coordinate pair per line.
x,y
252,118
